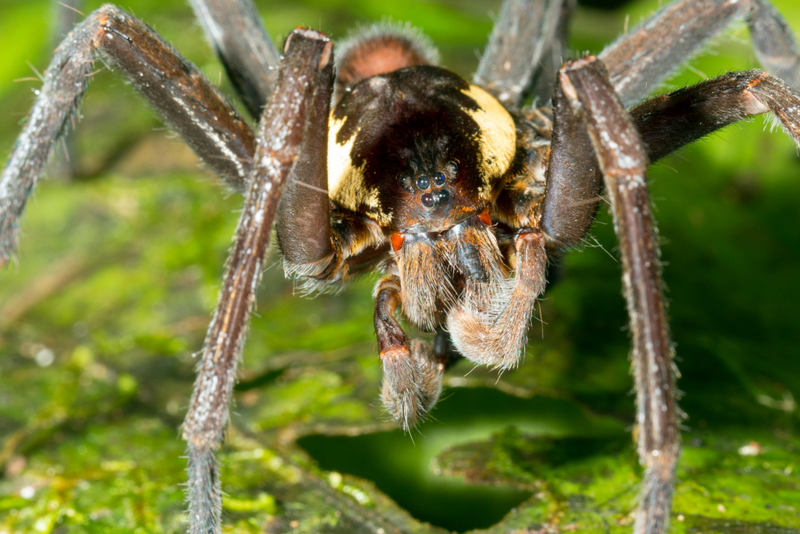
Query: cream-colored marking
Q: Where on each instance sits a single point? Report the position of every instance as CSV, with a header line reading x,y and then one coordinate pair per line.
x,y
339,164
346,182
498,140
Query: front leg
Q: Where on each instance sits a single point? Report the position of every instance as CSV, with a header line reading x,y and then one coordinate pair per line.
x,y
304,83
585,88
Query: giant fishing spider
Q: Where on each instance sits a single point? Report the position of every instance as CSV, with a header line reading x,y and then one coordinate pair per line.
x,y
458,192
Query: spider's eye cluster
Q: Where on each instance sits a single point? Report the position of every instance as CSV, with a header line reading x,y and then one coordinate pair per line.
x,y
422,182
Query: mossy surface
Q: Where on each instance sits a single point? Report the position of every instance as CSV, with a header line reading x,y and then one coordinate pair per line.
x,y
118,271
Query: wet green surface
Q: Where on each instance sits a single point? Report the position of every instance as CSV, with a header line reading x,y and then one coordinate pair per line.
x,y
117,274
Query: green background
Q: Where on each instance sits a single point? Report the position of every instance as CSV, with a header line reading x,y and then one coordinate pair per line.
x,y
119,269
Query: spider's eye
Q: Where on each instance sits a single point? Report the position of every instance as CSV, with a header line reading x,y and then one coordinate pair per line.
x,y
439,179
423,182
407,182
428,200
452,169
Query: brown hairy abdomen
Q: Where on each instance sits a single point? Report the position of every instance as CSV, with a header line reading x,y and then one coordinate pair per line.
x,y
380,49
378,56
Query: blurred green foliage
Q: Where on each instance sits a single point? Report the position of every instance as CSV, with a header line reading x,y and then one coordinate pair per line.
x,y
118,270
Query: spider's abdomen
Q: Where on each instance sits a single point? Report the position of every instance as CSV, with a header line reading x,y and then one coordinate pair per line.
x,y
418,149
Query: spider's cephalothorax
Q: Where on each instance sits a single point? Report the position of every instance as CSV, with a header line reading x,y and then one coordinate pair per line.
x,y
455,191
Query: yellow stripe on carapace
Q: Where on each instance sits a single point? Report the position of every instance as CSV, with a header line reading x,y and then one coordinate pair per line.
x,y
340,165
498,139
345,181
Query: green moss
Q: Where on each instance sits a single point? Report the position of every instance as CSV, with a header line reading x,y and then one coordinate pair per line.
x,y
116,278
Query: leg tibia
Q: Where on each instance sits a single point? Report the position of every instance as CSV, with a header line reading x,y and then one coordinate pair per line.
x,y
236,33
623,162
305,77
525,33
775,46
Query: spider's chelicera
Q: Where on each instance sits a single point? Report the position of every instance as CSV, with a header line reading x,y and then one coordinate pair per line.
x,y
457,192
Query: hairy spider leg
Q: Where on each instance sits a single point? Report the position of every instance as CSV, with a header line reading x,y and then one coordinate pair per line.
x,y
665,123
64,163
187,101
525,50
623,162
299,105
236,34
640,60
670,121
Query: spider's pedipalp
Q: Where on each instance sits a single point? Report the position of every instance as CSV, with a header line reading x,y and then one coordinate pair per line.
x,y
489,325
236,33
173,86
412,376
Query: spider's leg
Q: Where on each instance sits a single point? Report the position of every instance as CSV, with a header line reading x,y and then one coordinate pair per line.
x,y
64,164
572,189
412,378
544,77
304,220
673,120
186,100
300,102
236,33
525,38
639,61
623,163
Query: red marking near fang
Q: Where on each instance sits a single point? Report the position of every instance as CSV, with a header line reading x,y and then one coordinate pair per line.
x,y
397,242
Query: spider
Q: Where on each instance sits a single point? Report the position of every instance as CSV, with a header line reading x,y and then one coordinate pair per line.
x,y
459,192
